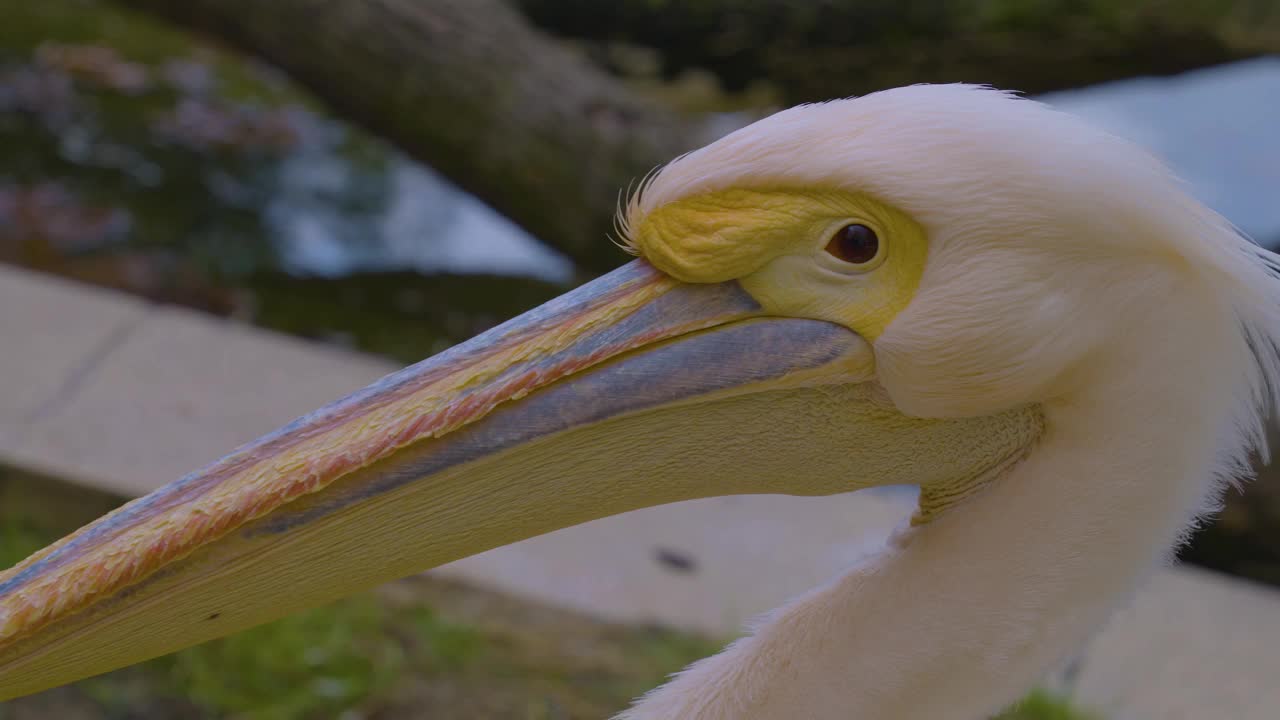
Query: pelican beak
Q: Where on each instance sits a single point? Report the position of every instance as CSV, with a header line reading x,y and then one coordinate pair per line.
x,y
633,390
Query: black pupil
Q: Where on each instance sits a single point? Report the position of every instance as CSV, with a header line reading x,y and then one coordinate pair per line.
x,y
855,244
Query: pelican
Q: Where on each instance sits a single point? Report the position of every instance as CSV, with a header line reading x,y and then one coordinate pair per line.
x,y
941,285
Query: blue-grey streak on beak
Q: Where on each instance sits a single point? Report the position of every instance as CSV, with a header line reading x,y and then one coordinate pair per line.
x,y
493,441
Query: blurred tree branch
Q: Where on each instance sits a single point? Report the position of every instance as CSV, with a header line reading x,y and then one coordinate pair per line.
x,y
466,86
821,49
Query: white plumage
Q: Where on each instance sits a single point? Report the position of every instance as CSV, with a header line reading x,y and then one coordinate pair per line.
x,y
1067,269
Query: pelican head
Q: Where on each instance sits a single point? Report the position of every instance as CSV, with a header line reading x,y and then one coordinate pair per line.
x,y
945,286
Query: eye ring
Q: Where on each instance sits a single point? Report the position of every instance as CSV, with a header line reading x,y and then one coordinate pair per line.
x,y
855,244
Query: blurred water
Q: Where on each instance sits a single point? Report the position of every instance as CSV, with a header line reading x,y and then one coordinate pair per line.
x,y
429,226
1216,127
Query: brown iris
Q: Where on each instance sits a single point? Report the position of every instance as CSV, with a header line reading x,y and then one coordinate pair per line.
x,y
856,244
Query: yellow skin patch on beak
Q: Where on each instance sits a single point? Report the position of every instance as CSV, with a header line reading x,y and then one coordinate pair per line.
x,y
773,241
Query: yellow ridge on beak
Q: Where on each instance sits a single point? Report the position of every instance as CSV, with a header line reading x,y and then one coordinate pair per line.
x,y
633,390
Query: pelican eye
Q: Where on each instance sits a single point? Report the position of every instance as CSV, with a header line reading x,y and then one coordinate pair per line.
x,y
856,244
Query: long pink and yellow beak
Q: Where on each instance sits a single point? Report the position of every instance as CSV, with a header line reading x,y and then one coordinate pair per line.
x,y
633,390
441,460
